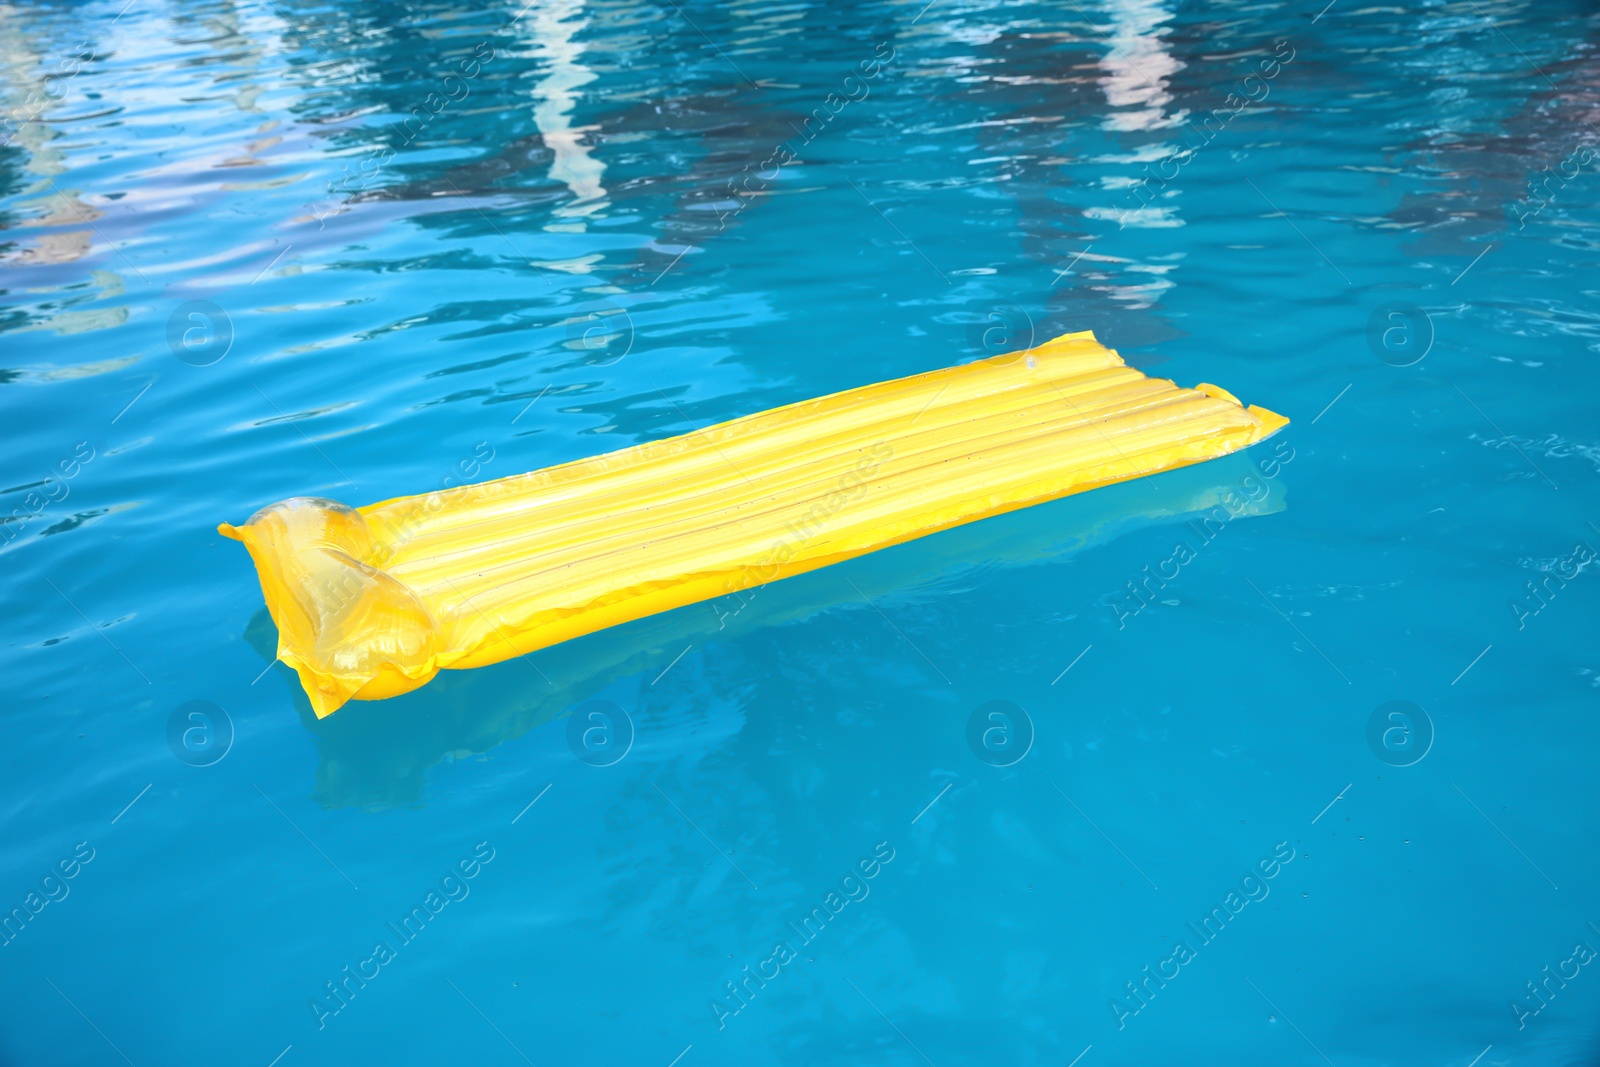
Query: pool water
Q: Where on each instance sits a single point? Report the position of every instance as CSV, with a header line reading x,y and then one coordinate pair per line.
x,y
1101,782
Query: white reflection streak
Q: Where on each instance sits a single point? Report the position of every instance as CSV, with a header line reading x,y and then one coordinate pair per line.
x,y
1134,78
1138,66
32,84
554,23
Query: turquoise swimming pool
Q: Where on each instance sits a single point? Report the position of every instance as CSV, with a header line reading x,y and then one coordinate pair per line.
x,y
1283,758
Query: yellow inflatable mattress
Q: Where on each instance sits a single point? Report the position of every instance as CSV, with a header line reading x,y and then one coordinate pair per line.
x,y
372,602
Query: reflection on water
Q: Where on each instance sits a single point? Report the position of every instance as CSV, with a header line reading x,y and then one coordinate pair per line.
x,y
1138,66
1491,182
1044,88
553,26
33,86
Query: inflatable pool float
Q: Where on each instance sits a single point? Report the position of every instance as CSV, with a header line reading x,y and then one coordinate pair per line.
x,y
372,602
384,759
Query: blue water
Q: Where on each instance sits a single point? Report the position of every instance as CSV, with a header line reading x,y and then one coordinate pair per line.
x,y
358,250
